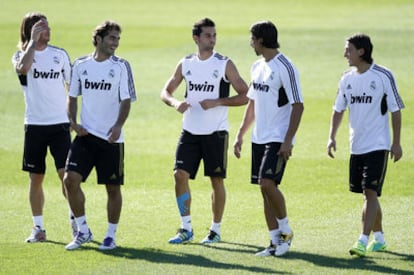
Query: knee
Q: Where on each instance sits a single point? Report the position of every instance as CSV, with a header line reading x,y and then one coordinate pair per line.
x,y
71,181
266,186
180,176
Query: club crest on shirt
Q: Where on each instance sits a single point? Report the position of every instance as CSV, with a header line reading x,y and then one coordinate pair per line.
x,y
373,86
216,74
111,73
56,60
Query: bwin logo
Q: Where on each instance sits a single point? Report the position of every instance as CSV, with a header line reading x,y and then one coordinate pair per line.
x,y
46,75
367,99
200,87
261,87
103,86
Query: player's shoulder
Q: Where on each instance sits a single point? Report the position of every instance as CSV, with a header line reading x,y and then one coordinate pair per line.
x,y
56,49
189,56
119,60
82,59
382,70
219,56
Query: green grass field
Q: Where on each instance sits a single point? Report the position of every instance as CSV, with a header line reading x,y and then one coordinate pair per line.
x,y
323,214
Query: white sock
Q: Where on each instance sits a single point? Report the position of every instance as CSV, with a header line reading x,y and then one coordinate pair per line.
x,y
284,225
82,225
111,230
215,227
379,236
364,239
186,223
274,236
38,221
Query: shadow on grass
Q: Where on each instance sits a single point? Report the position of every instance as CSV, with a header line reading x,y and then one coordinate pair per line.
x,y
160,256
351,263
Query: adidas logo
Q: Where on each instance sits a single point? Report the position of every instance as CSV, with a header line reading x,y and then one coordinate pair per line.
x,y
113,177
84,72
217,170
349,87
269,172
188,72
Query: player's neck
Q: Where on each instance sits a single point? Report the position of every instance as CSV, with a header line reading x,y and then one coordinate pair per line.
x,y
99,56
363,67
204,55
269,54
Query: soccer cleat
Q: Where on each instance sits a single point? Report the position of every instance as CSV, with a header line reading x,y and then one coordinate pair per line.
x,y
80,239
183,236
74,227
108,244
358,249
375,246
212,237
37,235
268,251
285,240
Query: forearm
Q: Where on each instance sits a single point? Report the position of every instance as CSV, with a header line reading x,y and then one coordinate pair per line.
x,y
124,108
26,61
396,127
294,122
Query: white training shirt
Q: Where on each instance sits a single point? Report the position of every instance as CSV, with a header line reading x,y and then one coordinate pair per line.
x,y
44,86
274,88
205,79
102,85
363,94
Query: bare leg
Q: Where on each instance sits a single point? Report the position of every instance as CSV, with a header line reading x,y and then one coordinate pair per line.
x,y
36,195
74,193
218,198
182,192
114,205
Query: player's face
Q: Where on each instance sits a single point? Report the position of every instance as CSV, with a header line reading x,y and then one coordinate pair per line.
x,y
256,45
109,43
207,39
352,54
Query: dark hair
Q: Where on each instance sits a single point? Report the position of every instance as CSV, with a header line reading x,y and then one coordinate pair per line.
x,y
267,31
362,41
103,29
26,27
206,22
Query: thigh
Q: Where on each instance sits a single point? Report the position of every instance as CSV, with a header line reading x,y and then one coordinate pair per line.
x,y
188,154
214,154
375,167
59,144
81,156
257,156
35,149
110,163
272,166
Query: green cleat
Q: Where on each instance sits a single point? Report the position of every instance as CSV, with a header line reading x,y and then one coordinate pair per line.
x,y
359,249
375,246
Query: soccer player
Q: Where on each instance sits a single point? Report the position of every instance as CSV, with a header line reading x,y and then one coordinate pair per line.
x,y
208,76
369,92
276,106
44,73
106,85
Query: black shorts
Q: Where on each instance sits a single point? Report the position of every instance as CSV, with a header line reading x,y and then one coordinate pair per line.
x,y
368,171
211,148
90,151
266,163
36,140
